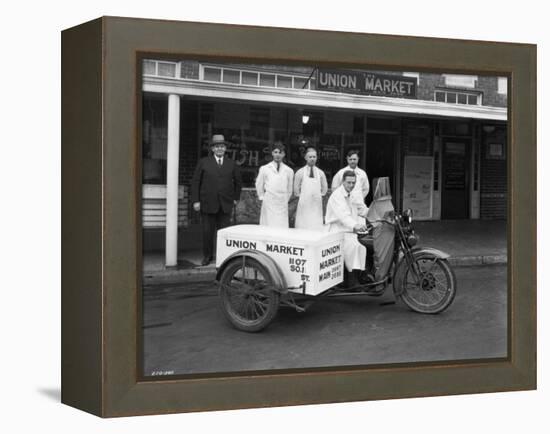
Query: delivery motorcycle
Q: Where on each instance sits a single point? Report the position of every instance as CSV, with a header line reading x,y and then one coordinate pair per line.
x,y
260,268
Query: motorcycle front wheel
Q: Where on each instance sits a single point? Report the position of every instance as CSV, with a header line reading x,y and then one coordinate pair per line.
x,y
429,285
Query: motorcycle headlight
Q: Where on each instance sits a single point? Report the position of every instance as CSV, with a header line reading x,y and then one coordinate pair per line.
x,y
412,239
408,215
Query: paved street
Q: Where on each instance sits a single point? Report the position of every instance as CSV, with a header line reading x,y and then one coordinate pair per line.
x,y
186,333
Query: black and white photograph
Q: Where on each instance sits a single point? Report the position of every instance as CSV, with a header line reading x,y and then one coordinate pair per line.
x,y
309,217
185,246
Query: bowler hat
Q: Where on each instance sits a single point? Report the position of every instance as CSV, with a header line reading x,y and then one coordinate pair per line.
x,y
218,139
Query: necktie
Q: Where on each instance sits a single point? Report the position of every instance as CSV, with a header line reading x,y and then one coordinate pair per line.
x,y
278,165
311,172
220,162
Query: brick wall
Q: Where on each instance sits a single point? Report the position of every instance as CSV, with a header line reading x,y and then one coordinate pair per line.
x,y
491,97
427,85
487,85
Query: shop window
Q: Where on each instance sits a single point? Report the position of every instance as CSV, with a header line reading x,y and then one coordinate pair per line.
x,y
212,74
419,139
154,138
159,68
300,83
149,67
253,78
267,80
246,128
166,69
231,76
250,78
419,145
259,122
314,125
454,97
284,81
206,118
358,125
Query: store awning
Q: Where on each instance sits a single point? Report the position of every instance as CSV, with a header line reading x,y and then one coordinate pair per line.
x,y
315,98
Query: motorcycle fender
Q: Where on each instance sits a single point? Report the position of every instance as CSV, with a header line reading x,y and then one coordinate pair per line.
x,y
269,264
418,251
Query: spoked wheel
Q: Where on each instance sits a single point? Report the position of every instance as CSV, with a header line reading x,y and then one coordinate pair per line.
x,y
249,299
429,285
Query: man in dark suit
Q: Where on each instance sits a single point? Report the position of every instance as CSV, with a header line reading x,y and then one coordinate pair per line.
x,y
215,188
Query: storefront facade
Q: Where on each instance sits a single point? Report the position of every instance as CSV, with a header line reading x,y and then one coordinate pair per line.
x,y
441,139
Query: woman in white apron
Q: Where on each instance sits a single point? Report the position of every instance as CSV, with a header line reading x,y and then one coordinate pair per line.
x,y
274,188
310,184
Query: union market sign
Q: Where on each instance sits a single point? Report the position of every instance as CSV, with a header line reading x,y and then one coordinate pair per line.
x,y
366,83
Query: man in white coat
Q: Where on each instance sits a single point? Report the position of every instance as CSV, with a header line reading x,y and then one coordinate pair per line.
x,y
345,216
361,188
274,188
310,185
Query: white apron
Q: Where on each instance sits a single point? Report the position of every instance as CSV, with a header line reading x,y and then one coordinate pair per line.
x,y
355,253
309,212
275,204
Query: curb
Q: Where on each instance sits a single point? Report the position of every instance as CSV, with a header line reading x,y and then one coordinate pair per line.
x,y
478,260
208,273
175,275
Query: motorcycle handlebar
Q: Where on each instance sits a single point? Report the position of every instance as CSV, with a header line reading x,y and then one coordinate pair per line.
x,y
370,224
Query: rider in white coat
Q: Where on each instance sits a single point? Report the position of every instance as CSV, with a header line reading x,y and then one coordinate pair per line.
x,y
274,188
344,216
310,184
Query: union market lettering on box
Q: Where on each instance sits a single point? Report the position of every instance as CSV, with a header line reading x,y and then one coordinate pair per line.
x,y
363,83
310,262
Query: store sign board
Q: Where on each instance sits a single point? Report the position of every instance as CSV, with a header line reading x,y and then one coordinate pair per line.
x,y
363,83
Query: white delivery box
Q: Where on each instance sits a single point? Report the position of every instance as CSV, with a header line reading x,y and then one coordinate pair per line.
x,y
313,257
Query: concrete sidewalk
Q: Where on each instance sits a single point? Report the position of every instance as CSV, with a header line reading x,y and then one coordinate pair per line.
x,y
469,242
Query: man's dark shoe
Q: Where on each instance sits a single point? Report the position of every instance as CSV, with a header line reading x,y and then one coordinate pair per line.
x,y
365,278
350,279
206,260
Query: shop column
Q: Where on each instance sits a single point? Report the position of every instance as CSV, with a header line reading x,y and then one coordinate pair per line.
x,y
172,170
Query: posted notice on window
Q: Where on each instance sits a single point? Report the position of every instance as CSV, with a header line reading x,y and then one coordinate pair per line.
x,y
418,186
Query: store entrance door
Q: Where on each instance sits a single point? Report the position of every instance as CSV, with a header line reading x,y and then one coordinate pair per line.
x,y
455,198
380,161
